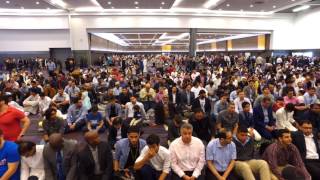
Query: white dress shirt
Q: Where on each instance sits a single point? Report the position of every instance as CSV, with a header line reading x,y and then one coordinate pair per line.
x,y
44,103
238,104
284,120
160,162
130,110
187,157
311,148
33,166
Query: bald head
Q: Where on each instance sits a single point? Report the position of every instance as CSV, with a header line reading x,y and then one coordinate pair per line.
x,y
92,138
56,141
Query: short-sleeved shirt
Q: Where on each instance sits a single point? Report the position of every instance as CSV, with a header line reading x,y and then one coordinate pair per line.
x,y
10,123
94,119
220,155
9,154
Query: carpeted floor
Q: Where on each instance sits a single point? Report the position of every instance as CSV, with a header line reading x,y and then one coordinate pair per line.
x,y
34,135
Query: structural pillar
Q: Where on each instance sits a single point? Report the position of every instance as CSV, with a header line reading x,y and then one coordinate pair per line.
x,y
193,42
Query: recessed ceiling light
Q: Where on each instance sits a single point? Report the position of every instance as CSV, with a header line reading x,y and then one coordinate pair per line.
x,y
112,7
293,0
37,2
274,7
163,3
7,2
228,5
137,7
136,2
109,2
251,5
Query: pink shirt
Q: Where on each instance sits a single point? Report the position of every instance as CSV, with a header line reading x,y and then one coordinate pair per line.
x,y
187,157
293,100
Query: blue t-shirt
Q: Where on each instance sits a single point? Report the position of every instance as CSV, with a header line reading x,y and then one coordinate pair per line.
x,y
94,119
9,154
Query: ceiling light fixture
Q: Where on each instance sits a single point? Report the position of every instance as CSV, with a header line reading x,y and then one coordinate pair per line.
x,y
137,7
37,2
301,8
136,2
59,3
112,7
274,7
228,5
8,2
210,3
251,5
163,3
109,2
176,3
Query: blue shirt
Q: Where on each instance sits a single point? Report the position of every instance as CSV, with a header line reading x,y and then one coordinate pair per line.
x,y
76,114
94,119
9,154
308,100
123,150
220,155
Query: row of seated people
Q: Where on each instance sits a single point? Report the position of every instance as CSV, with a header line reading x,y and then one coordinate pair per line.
x,y
227,156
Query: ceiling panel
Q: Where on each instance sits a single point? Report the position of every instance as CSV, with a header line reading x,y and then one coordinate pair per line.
x,y
192,3
79,3
130,4
25,4
255,5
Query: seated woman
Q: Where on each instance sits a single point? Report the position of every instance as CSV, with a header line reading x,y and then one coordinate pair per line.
x,y
31,160
52,123
95,120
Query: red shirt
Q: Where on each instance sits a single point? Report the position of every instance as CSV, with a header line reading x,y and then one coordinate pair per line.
x,y
10,123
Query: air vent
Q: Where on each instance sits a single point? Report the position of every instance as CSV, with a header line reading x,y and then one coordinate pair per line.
x,y
259,2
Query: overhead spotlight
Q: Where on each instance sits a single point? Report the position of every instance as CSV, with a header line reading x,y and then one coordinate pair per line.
x,y
301,8
293,0
163,3
37,2
274,7
228,5
251,5
137,7
136,2
112,7
109,2
8,2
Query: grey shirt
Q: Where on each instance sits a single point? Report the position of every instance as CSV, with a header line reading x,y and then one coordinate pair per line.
x,y
228,120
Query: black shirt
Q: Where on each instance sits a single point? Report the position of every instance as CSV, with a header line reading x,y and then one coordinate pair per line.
x,y
133,155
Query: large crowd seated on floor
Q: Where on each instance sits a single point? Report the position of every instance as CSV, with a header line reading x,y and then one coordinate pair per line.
x,y
227,117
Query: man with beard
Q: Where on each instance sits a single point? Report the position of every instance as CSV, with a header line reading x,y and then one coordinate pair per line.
x,y
126,153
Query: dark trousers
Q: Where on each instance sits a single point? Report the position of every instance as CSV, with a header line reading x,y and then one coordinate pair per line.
x,y
149,173
79,126
188,173
313,167
210,176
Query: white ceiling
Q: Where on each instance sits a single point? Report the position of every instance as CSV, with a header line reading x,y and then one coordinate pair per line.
x,y
195,5
168,38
